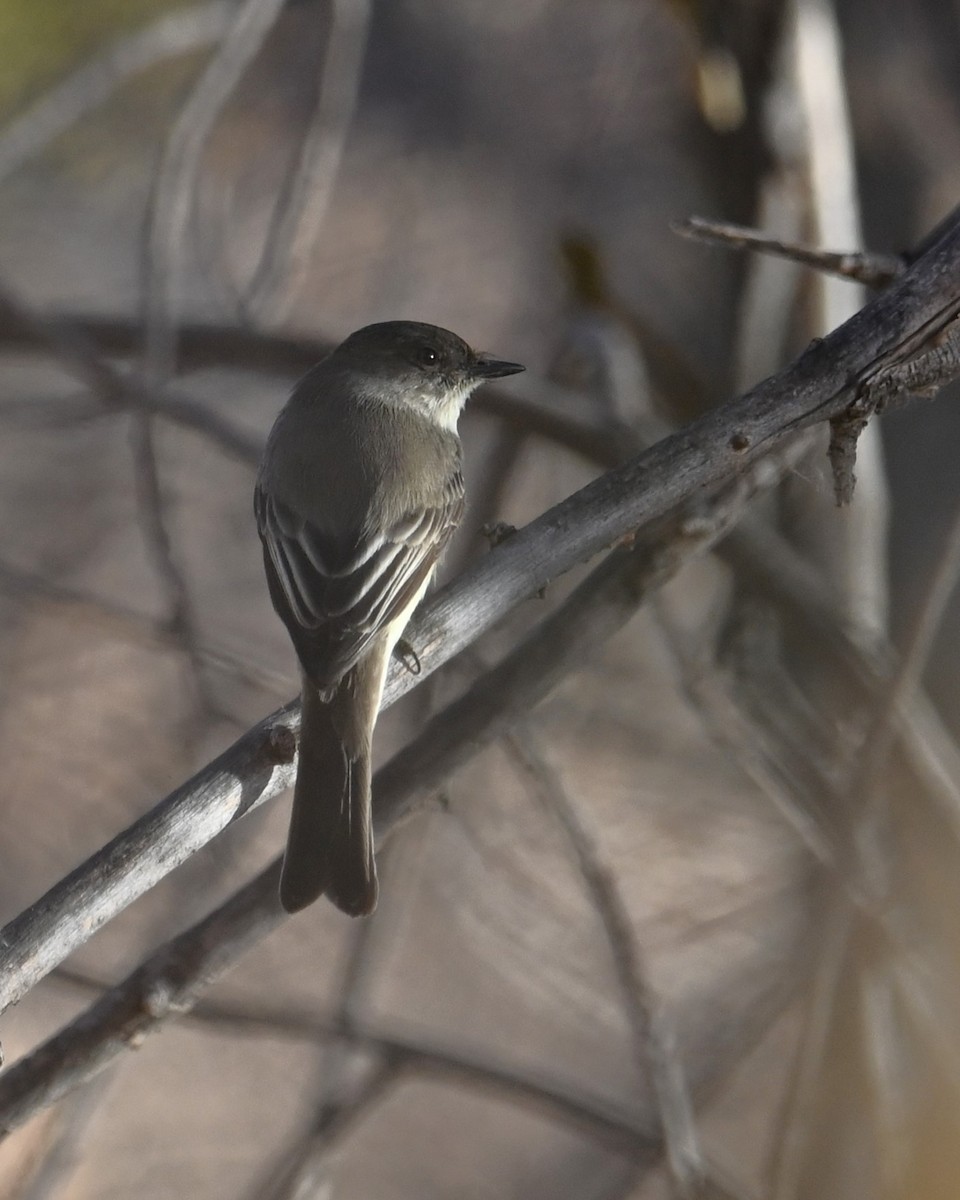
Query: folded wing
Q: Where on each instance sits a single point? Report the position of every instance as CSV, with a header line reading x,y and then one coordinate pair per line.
x,y
334,596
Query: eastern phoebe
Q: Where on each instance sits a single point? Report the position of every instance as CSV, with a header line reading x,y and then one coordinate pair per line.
x,y
358,493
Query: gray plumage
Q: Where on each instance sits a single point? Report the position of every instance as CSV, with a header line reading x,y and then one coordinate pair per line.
x,y
358,493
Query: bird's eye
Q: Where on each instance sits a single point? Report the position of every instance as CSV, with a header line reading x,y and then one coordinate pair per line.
x,y
426,356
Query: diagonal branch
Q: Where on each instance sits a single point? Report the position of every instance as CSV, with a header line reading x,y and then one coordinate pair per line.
x,y
171,979
714,449
873,270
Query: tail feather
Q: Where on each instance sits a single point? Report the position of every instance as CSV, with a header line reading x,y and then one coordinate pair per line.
x,y
330,843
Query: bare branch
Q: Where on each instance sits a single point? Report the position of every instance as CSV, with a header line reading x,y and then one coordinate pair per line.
x,y
72,348
925,372
869,870
72,911
654,1046
78,344
200,345
166,984
798,1111
872,761
302,207
175,189
337,1104
717,447
924,369
575,1106
305,1175
873,270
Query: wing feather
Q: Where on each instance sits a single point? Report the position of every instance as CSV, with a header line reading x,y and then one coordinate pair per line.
x,y
336,596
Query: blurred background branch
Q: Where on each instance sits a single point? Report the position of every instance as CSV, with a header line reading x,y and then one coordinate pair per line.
x,y
675,916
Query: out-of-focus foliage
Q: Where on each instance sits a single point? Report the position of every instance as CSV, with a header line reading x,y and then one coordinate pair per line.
x,y
43,38
509,169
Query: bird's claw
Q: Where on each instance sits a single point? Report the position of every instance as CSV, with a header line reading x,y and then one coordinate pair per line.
x,y
407,655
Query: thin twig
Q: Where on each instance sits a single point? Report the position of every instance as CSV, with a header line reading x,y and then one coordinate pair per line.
x,y
116,390
870,863
403,1050
200,344
872,761
156,538
73,349
798,1111
574,1105
654,1048
302,207
308,1171
164,257
870,269
758,752
336,1105
175,188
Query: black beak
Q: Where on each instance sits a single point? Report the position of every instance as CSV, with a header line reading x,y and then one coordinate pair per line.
x,y
494,368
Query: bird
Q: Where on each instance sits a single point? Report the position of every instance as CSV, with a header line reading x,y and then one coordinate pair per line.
x,y
359,490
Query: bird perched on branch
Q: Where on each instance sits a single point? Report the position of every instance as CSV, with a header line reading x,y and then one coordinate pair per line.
x,y
358,493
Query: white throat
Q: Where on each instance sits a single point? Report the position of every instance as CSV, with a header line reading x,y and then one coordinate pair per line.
x,y
447,412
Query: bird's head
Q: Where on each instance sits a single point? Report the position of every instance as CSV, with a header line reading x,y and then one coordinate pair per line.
x,y
409,363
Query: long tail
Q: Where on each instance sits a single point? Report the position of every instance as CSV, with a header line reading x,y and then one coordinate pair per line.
x,y
330,843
